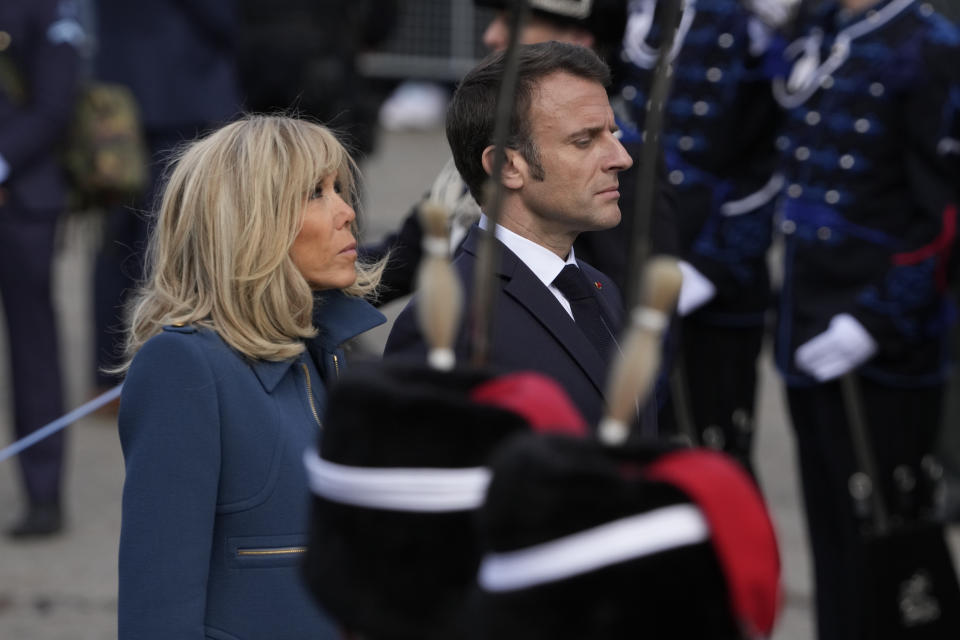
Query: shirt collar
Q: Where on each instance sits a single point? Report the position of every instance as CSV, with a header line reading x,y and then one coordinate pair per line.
x,y
544,264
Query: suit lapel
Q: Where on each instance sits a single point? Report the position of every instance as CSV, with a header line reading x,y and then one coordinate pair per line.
x,y
520,284
613,317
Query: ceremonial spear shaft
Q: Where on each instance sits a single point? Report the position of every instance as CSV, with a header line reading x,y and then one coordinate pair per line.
x,y
652,286
488,252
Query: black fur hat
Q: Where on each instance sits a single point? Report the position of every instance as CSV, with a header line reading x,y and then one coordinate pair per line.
x,y
401,471
586,542
605,19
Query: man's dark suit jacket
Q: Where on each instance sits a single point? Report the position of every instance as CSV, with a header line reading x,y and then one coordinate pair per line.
x,y
532,331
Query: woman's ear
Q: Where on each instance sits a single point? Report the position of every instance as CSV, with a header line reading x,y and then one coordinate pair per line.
x,y
514,168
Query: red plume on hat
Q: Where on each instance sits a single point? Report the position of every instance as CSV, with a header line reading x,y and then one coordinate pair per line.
x,y
741,531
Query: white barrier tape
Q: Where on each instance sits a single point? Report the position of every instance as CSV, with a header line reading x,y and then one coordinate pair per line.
x,y
63,421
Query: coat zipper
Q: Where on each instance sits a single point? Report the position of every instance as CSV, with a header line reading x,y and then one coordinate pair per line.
x,y
279,551
287,551
336,366
313,406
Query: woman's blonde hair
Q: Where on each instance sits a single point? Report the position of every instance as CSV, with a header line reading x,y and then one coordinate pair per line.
x,y
219,255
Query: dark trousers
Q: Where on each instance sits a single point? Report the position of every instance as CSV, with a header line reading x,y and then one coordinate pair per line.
x,y
903,424
26,261
948,446
718,384
117,270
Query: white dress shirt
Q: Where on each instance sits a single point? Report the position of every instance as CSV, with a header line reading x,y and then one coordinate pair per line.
x,y
545,264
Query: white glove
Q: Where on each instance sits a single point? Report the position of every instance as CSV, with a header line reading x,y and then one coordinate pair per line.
x,y
695,291
844,346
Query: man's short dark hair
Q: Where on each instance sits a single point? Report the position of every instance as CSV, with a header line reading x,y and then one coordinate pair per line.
x,y
472,111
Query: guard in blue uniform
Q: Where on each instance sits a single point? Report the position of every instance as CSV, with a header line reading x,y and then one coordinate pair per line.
x,y
39,42
870,154
718,142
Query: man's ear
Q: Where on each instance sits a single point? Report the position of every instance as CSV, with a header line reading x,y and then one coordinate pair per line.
x,y
514,168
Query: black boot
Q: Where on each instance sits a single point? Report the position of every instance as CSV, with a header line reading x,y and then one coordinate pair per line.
x,y
40,520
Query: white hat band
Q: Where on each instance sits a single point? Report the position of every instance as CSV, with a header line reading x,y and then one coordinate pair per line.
x,y
626,539
398,489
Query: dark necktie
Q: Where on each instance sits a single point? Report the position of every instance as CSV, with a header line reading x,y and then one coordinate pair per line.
x,y
585,307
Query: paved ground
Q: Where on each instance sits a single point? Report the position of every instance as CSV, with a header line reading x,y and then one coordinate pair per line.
x,y
65,589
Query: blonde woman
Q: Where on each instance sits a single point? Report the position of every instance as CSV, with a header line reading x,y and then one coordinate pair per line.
x,y
252,286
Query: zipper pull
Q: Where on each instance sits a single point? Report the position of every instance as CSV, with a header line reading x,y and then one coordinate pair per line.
x,y
313,405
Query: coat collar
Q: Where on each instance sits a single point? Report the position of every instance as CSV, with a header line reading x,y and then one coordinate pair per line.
x,y
338,318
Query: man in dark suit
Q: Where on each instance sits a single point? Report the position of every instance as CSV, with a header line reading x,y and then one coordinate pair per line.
x,y
39,66
559,179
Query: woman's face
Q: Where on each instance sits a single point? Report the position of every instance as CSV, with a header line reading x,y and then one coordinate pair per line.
x,y
325,251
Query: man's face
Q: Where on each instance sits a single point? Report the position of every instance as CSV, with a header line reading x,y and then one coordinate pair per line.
x,y
572,128
535,29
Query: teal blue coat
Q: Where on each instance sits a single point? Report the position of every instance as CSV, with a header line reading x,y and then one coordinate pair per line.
x,y
215,502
